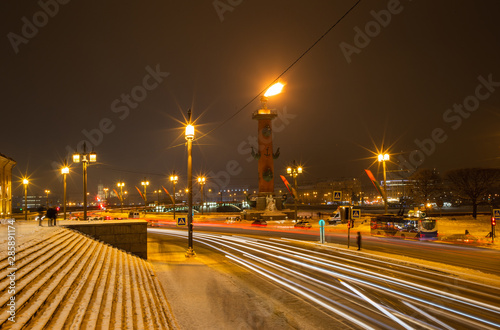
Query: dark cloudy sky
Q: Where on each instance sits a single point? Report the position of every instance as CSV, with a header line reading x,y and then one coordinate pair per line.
x,y
398,84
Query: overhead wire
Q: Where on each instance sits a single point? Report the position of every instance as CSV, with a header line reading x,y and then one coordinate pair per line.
x,y
282,73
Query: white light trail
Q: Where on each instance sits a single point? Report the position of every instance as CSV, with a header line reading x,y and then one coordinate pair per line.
x,y
377,306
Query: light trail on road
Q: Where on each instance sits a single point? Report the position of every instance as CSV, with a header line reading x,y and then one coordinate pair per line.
x,y
359,290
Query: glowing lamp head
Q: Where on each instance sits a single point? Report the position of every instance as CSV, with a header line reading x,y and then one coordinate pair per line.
x,y
76,158
299,169
65,170
383,157
174,178
201,180
92,157
274,89
189,132
289,170
25,181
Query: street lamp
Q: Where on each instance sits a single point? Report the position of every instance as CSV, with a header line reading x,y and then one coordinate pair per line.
x,y
145,183
293,171
25,183
106,195
158,203
64,172
85,158
383,158
189,135
121,185
174,178
47,192
201,182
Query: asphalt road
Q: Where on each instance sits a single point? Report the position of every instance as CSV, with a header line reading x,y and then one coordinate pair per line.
x,y
333,287
477,258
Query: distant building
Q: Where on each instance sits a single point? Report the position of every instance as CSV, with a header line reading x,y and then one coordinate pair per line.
x,y
6,166
34,202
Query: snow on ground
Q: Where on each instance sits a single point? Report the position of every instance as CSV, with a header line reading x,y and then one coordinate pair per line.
x,y
25,232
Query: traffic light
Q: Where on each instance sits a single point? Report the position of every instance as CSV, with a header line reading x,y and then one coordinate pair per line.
x,y
493,221
347,212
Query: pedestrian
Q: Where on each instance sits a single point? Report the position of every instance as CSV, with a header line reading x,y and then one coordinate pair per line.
x,y
41,211
52,216
358,240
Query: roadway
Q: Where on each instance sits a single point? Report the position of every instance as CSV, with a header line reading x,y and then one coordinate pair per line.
x,y
476,258
339,288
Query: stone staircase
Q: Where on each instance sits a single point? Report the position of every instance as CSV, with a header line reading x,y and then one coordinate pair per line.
x,y
71,281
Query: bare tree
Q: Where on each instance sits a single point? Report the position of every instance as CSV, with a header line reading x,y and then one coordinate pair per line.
x,y
426,184
473,183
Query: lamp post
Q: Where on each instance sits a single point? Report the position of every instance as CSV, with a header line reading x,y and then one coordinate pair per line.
x,y
145,183
201,182
293,171
85,158
64,172
158,203
189,135
121,185
106,195
174,178
47,192
383,158
25,183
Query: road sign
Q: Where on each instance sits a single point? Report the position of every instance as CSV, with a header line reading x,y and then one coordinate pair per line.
x,y
337,196
356,214
496,213
181,221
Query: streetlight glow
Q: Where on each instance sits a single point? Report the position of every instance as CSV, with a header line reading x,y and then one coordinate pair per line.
x,y
64,172
294,170
121,185
201,182
189,137
383,157
85,159
189,132
174,178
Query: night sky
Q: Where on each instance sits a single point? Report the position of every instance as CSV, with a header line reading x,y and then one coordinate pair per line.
x,y
122,75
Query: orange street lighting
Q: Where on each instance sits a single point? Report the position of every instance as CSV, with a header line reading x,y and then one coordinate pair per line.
x,y
201,182
85,158
64,172
25,183
384,157
189,135
121,185
174,179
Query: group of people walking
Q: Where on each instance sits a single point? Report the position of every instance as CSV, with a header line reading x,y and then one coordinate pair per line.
x,y
50,214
